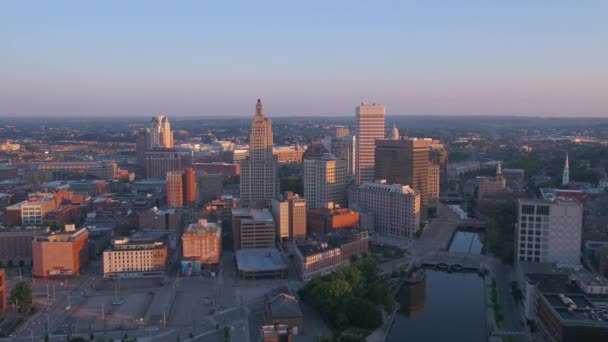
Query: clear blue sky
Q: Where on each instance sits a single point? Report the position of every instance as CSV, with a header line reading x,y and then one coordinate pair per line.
x,y
110,58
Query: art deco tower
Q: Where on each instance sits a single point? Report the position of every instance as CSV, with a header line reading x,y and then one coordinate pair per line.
x,y
259,179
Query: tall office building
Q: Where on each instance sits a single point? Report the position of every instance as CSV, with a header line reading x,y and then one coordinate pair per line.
x,y
159,133
189,187
405,161
181,188
259,179
549,231
344,148
370,127
395,208
325,181
175,189
289,214
158,136
434,181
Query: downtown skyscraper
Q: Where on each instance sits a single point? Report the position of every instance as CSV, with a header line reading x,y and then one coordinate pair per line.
x,y
259,179
406,162
159,133
369,128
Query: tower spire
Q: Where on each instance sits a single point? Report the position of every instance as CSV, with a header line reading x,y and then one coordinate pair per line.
x,y
499,169
259,109
566,174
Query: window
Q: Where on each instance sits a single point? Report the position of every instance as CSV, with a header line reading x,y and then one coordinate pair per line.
x,y
527,209
542,210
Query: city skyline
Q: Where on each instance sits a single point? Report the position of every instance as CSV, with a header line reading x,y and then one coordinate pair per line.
x,y
139,59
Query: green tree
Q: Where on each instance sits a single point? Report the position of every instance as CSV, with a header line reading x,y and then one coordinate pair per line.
x,y
340,288
21,295
363,313
351,275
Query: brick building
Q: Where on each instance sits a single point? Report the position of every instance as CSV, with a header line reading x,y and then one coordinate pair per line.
x,y
202,242
66,253
324,220
324,256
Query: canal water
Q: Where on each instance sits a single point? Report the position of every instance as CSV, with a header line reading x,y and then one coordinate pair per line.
x,y
441,307
466,242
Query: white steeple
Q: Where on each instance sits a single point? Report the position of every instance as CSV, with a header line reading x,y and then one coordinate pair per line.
x,y
566,175
395,133
499,169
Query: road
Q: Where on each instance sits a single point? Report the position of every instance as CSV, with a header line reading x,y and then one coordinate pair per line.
x,y
510,310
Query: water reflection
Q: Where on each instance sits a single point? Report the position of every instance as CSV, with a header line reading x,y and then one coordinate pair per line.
x,y
442,307
412,296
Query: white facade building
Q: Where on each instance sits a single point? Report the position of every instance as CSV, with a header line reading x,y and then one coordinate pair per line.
x,y
549,231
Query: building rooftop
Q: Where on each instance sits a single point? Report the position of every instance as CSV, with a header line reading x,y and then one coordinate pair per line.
x,y
259,260
284,305
62,236
381,185
31,202
569,302
135,243
550,200
203,227
334,239
257,215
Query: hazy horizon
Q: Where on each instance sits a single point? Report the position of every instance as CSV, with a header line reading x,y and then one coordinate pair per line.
x,y
203,59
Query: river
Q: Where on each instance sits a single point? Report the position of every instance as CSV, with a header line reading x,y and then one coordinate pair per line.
x,y
442,307
466,242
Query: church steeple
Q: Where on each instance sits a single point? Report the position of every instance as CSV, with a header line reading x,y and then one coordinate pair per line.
x,y
566,175
395,133
259,109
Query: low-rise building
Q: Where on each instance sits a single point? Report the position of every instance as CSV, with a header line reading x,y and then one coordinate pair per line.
x,y
252,228
30,212
324,256
154,219
16,245
569,306
202,242
135,257
288,154
258,263
282,307
63,254
455,170
324,220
